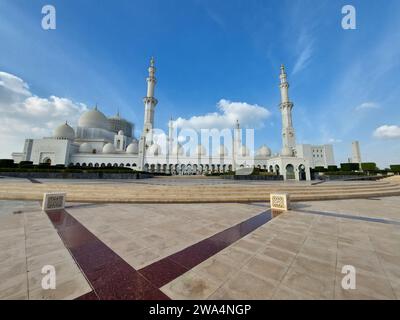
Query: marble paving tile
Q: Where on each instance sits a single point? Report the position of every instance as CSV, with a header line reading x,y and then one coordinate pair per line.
x,y
13,286
190,286
68,290
245,286
268,269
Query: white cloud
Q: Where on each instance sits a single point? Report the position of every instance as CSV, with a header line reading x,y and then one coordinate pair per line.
x,y
249,116
305,47
367,106
387,132
333,140
25,115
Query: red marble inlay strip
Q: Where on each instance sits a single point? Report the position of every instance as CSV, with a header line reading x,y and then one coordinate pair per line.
x,y
112,278
108,274
173,266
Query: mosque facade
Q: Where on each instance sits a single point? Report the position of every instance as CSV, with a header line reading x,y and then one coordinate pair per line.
x,y
98,141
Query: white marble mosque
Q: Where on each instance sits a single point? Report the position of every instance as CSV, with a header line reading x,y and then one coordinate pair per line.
x,y
98,141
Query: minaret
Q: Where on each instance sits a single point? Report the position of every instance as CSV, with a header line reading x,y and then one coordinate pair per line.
x,y
146,140
288,136
170,136
149,105
237,137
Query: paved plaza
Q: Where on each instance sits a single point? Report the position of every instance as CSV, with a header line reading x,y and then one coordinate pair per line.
x,y
201,250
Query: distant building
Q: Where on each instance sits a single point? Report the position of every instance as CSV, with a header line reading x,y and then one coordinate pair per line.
x,y
318,155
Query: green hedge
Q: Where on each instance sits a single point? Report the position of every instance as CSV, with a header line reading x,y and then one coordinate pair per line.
x,y
349,167
6,163
344,173
395,167
369,166
61,168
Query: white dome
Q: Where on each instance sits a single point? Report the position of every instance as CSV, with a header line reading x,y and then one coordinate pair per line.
x,y
286,152
133,148
64,131
85,148
154,150
222,152
264,151
94,119
201,150
244,151
177,150
120,132
109,148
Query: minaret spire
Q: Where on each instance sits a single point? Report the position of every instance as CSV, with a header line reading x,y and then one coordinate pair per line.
x,y
288,135
150,103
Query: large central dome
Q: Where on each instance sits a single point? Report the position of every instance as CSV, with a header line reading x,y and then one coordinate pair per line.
x,y
94,119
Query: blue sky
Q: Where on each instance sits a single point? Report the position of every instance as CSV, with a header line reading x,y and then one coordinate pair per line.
x,y
344,83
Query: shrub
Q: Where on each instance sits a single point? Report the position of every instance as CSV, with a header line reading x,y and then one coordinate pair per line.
x,y
349,167
6,163
43,165
368,166
320,169
344,173
332,168
395,167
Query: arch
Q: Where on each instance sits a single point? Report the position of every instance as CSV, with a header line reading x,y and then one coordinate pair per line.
x,y
134,165
78,164
277,169
90,165
96,165
290,172
109,165
302,172
47,161
84,164
152,167
230,167
146,167
271,168
128,164
121,165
